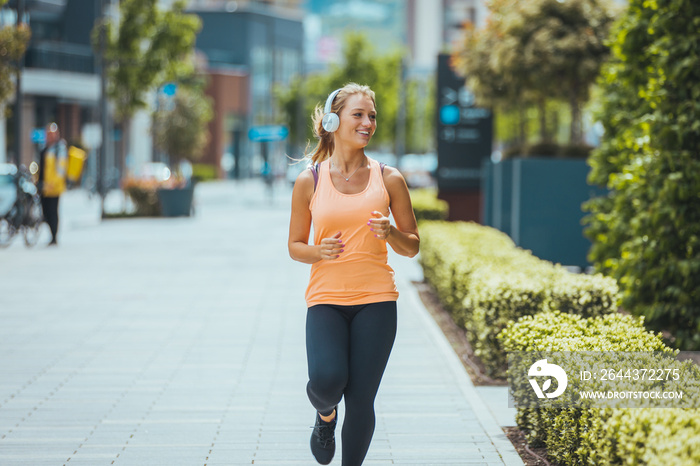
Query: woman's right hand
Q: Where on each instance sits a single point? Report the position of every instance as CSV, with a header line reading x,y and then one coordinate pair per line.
x,y
332,247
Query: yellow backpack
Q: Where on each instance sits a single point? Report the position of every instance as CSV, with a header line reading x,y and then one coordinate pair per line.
x,y
76,161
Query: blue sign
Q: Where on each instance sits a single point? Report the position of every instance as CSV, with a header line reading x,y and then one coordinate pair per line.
x,y
268,133
464,133
39,136
449,115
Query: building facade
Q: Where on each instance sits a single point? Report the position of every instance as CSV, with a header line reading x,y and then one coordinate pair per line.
x,y
457,13
249,50
59,81
328,21
249,46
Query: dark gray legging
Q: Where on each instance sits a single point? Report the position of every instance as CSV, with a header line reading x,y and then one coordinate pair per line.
x,y
347,348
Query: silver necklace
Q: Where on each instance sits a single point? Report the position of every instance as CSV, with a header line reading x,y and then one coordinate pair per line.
x,y
341,173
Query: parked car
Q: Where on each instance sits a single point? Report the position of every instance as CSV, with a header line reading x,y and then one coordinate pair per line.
x,y
157,171
419,170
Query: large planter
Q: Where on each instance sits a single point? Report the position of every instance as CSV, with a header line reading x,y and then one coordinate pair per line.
x,y
176,202
537,202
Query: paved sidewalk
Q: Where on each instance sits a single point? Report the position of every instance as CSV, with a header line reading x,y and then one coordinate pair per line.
x,y
181,342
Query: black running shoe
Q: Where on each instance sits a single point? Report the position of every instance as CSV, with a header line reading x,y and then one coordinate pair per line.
x,y
323,439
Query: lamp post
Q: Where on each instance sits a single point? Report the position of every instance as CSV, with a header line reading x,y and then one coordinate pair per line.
x,y
104,116
19,101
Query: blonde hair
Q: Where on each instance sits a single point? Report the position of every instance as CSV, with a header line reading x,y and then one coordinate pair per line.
x,y
326,143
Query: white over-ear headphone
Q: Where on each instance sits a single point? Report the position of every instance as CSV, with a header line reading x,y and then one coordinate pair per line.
x,y
331,121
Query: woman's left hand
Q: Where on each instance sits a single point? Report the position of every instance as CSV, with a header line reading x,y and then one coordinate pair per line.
x,y
380,225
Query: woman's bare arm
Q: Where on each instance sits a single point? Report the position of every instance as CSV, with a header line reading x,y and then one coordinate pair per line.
x,y
300,226
403,238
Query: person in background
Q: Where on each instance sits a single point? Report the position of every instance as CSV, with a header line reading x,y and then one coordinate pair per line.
x,y
351,296
52,177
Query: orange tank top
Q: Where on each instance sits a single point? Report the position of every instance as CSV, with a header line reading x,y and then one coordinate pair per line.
x,y
361,275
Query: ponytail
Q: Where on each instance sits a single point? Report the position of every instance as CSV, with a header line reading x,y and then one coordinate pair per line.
x,y
326,143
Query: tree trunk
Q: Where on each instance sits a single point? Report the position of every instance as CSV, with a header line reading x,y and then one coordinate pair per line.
x,y
116,169
542,111
522,123
126,140
576,130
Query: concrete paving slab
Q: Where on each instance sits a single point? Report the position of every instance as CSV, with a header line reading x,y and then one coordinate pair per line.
x,y
496,399
181,342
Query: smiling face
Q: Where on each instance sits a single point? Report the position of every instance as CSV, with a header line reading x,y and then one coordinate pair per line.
x,y
358,121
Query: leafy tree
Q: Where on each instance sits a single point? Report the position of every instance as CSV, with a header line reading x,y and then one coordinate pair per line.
x,y
359,64
296,106
646,231
564,43
147,47
537,50
180,124
497,79
420,115
13,44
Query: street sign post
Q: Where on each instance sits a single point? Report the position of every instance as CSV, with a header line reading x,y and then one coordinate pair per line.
x,y
464,140
465,132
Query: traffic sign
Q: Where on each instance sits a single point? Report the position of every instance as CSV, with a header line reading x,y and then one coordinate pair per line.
x,y
38,136
464,132
268,133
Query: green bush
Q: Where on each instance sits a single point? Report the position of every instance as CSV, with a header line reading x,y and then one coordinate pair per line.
x,y
583,435
646,231
647,437
427,206
485,282
143,193
444,253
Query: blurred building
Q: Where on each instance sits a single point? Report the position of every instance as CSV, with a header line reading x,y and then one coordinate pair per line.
x,y
422,28
249,47
59,81
233,4
328,21
457,14
434,26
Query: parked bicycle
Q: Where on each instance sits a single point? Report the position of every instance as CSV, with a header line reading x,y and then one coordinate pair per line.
x,y
20,206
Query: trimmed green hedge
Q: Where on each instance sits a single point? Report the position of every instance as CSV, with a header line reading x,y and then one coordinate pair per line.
x,y
486,282
648,437
580,435
427,206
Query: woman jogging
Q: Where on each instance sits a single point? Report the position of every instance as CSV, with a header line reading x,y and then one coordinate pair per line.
x,y
351,296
